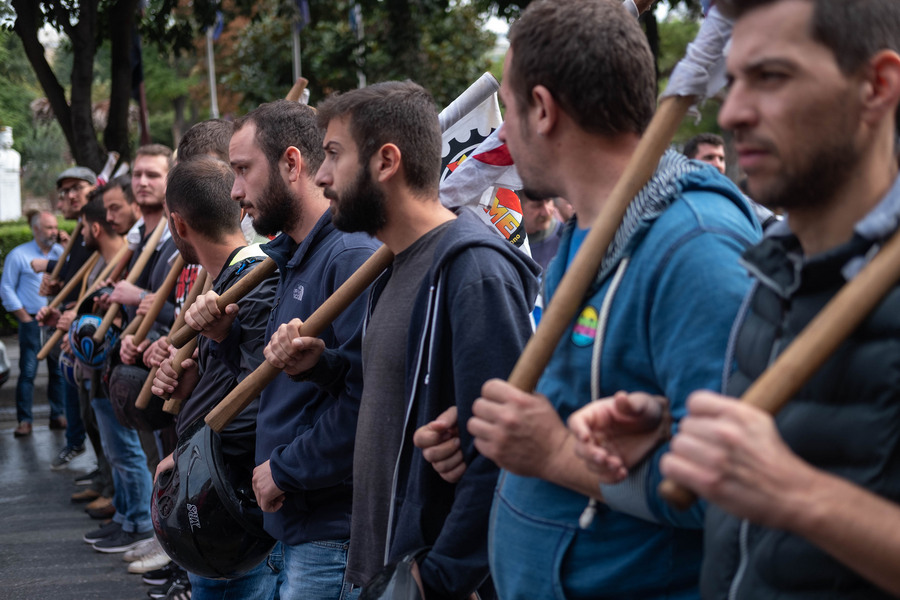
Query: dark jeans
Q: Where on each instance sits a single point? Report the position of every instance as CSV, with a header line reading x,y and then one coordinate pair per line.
x,y
74,425
29,346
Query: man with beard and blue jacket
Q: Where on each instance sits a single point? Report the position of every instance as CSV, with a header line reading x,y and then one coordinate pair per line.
x,y
305,432
654,323
451,312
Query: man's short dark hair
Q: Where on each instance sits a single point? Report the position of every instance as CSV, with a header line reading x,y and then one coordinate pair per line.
x,y
690,148
210,137
592,56
155,150
199,190
123,182
402,113
282,124
94,211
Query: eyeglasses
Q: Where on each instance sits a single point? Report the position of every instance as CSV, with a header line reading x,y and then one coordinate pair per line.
x,y
63,192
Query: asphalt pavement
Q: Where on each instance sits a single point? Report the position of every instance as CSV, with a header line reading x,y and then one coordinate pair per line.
x,y
42,555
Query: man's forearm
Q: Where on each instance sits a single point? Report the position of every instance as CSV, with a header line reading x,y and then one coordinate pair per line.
x,y
22,315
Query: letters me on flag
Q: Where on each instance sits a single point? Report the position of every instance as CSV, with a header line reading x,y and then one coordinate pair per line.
x,y
483,173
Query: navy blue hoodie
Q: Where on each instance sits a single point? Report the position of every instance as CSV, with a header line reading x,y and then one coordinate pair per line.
x,y
307,431
470,322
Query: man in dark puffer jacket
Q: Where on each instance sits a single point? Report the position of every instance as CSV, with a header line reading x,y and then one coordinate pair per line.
x,y
805,503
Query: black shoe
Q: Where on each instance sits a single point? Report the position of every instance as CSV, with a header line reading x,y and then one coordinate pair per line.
x,y
65,456
163,575
162,591
180,590
102,532
88,478
123,541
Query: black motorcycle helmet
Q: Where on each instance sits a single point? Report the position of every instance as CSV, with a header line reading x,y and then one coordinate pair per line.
x,y
204,511
123,386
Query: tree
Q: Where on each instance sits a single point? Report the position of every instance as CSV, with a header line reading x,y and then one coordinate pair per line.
x,y
86,23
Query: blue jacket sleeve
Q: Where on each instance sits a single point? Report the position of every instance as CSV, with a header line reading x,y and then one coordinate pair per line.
x,y
322,455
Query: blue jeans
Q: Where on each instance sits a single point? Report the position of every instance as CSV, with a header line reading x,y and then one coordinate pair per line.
x,y
29,346
316,570
75,433
261,583
129,469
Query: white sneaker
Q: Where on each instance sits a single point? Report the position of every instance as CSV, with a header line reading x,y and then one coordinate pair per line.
x,y
146,548
151,562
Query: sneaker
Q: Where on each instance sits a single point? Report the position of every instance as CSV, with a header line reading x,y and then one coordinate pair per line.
x,y
162,591
102,532
180,590
151,562
65,456
88,478
162,575
141,550
121,541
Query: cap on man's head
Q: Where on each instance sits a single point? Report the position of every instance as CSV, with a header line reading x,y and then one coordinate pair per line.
x,y
82,173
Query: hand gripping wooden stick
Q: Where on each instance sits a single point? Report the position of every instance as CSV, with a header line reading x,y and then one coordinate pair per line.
x,y
159,300
575,283
143,399
143,259
248,389
815,344
233,294
54,275
76,280
173,402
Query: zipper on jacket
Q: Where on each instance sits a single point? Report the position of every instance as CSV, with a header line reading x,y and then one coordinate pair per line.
x,y
742,564
433,295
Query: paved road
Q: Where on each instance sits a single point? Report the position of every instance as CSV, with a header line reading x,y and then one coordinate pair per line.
x,y
42,556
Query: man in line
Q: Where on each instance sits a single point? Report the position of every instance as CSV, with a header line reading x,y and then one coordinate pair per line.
x,y
813,106
451,312
656,318
543,229
19,292
205,225
73,186
708,148
305,433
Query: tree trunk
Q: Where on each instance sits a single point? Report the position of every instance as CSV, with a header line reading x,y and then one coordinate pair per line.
x,y
121,29
83,35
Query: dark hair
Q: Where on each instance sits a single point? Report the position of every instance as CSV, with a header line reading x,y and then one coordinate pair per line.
x,y
592,56
690,148
200,191
123,182
402,113
210,137
282,124
155,150
95,212
854,30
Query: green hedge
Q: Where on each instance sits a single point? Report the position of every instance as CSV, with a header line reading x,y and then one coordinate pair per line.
x,y
12,234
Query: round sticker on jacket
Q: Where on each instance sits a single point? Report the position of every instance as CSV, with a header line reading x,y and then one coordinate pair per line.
x,y
585,327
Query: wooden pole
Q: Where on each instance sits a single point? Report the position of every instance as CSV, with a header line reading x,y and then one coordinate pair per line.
x,y
159,300
143,259
54,275
233,294
248,389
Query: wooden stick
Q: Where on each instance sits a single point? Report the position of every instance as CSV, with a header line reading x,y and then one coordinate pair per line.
x,y
574,285
814,345
233,294
159,300
54,275
143,259
297,89
75,281
248,389
143,399
82,275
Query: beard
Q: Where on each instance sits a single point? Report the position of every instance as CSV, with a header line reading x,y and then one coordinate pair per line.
x,y
359,208
277,209
187,251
